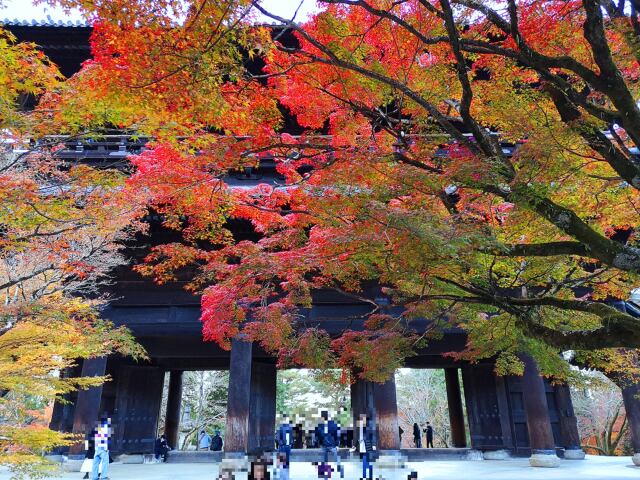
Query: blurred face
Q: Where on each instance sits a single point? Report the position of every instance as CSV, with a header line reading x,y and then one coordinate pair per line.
x,y
362,421
259,473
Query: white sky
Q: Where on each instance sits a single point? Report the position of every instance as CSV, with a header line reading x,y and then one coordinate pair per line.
x,y
25,10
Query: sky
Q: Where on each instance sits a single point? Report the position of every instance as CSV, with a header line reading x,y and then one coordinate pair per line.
x,y
25,10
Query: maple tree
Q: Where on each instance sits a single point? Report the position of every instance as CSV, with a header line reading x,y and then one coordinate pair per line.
x,y
475,159
61,228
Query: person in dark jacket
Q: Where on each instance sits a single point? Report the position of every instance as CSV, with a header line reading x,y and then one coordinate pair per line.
x,y
161,448
90,447
284,439
417,436
216,442
329,435
366,447
429,432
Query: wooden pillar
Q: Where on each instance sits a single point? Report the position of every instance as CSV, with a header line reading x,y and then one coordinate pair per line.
x,y
262,418
538,422
174,400
631,398
456,414
251,404
239,398
362,402
386,407
63,411
87,409
569,436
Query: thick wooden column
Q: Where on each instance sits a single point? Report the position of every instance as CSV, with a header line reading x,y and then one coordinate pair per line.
x,y
239,399
538,422
63,411
362,402
174,400
631,398
569,435
262,417
386,407
456,414
251,405
87,408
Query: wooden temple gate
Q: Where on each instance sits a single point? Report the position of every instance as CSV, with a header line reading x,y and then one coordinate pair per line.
x,y
516,414
521,415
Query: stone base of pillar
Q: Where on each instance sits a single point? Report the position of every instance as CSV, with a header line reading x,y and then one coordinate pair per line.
x,y
390,459
235,462
574,454
636,459
544,459
474,456
495,455
72,465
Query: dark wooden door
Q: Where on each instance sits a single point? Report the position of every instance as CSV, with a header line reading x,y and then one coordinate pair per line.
x,y
519,417
138,399
483,407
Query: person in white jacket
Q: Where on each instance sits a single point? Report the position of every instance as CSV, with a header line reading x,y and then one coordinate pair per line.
x,y
101,457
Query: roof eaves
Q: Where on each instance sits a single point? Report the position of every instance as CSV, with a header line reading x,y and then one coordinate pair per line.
x,y
47,22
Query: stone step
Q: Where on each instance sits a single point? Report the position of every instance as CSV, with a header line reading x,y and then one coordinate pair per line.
x,y
194,457
315,455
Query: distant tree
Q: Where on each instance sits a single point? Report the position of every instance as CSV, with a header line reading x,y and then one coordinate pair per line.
x,y
602,421
306,392
422,398
204,403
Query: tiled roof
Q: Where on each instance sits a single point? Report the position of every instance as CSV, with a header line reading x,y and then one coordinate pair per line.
x,y
47,22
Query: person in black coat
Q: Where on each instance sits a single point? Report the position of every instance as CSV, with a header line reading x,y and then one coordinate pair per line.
x,y
329,435
429,432
161,448
417,436
366,447
90,447
216,442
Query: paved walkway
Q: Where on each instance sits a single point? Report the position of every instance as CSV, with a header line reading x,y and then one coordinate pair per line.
x,y
613,468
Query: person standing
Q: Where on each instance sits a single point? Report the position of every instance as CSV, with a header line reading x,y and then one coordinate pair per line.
x,y
281,470
204,440
400,432
284,439
417,436
329,434
90,451
216,442
101,456
429,432
366,446
161,448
